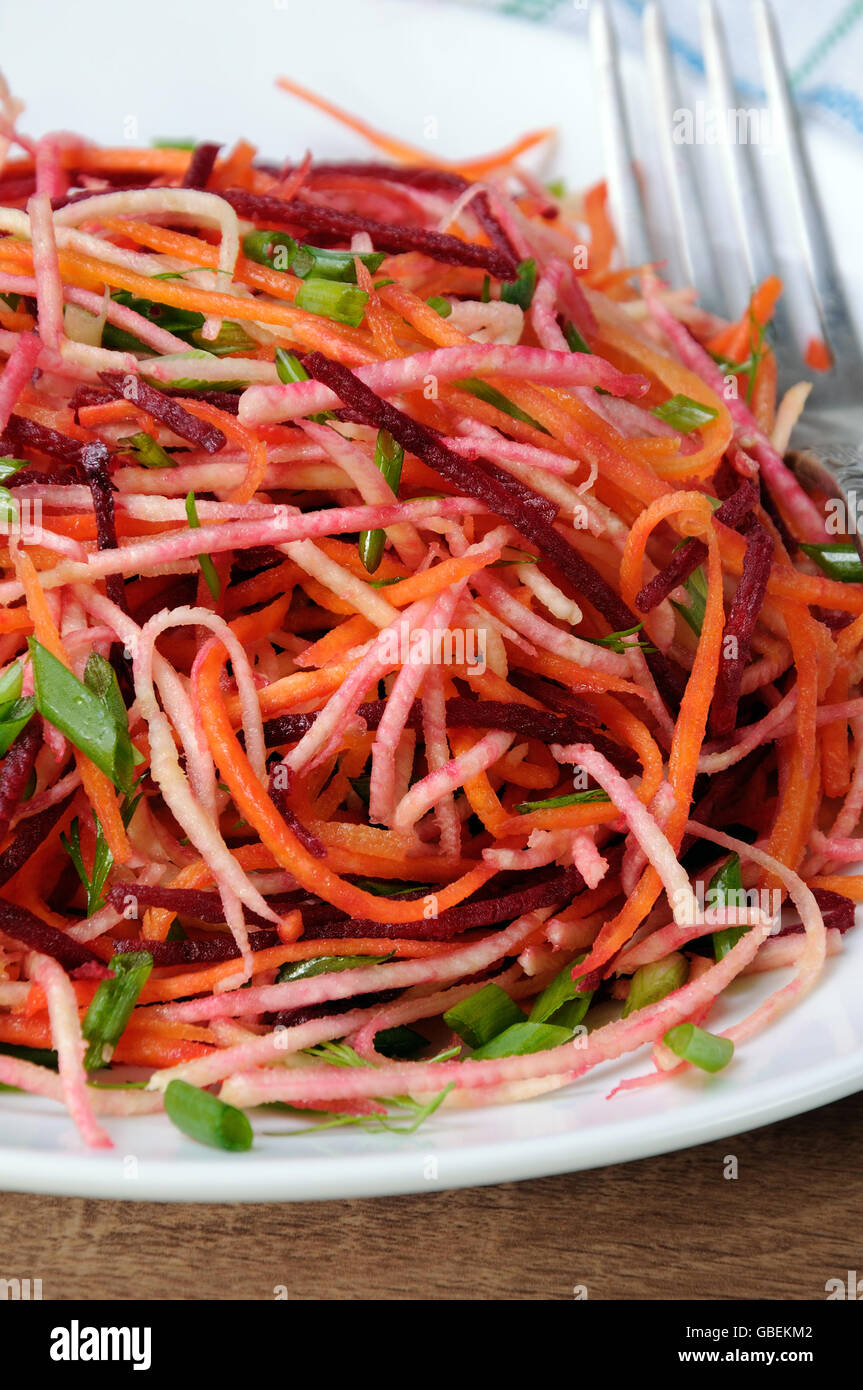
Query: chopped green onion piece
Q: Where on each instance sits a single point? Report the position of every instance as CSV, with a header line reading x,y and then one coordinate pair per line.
x,y
389,457
726,890
206,1118
100,678
484,391
208,569
11,683
572,799
485,295
333,300
231,337
483,1015
187,144
702,1049
180,322
440,305
399,1042
520,290
14,711
9,466
838,559
148,452
112,1005
684,414
560,1002
557,188
693,613
323,965
523,1038
574,339
87,720
652,982
302,260
103,860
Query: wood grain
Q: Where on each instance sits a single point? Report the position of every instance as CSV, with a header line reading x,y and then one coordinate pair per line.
x,y
667,1227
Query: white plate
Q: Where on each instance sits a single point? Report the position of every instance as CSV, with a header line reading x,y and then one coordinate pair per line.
x,y
206,70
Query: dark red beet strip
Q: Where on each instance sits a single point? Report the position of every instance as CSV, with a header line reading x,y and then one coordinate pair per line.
x,y
37,935
460,714
17,766
201,951
94,460
192,902
469,476
433,181
838,912
164,409
465,917
201,165
582,720
739,627
21,433
30,836
387,236
733,512
279,798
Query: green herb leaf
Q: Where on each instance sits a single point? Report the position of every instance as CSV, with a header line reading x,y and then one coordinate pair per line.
x,y
9,466
440,305
208,569
693,613
206,1118
615,640
303,261
484,391
572,799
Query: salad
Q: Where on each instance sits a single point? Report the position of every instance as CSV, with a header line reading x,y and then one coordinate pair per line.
x,y
422,678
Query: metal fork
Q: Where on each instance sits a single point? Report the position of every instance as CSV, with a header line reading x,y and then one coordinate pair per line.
x,y
828,443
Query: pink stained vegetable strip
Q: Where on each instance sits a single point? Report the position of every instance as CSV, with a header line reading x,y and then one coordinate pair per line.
x,y
364,779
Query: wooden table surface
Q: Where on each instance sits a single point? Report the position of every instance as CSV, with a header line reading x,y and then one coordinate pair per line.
x,y
667,1227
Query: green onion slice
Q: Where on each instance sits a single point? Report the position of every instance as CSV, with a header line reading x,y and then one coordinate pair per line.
x,y
333,300
89,718
726,890
112,1005
389,457
323,965
523,1038
838,559
206,1118
572,799
702,1049
652,982
208,569
482,1016
684,414
148,452
560,1002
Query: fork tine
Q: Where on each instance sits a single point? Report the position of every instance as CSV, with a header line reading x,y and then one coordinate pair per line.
x,y
690,260
745,262
624,190
803,201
